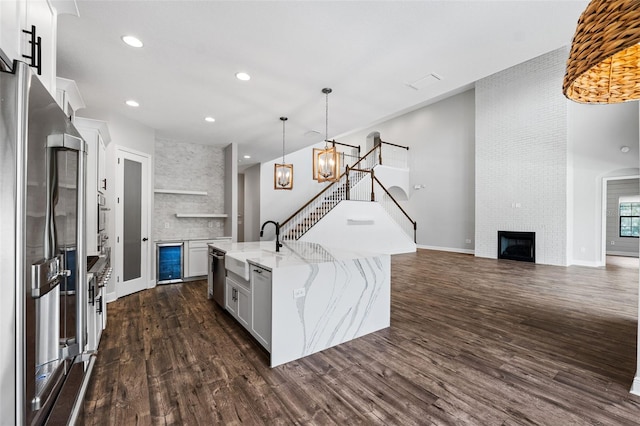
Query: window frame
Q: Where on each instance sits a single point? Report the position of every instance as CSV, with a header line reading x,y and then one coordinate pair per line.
x,y
632,205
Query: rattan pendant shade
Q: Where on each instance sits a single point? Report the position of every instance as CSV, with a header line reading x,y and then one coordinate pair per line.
x,y
604,62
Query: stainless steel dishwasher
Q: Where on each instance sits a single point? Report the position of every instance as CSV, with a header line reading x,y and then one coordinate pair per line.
x,y
217,273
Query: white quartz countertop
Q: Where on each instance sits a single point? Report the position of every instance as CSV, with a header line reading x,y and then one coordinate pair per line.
x,y
292,253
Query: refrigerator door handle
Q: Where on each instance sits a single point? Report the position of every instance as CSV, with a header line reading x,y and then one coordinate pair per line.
x,y
46,275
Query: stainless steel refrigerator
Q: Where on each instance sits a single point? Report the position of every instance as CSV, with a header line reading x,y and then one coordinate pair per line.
x,y
42,251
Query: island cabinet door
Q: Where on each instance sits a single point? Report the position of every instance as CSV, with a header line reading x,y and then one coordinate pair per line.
x,y
261,306
238,302
244,306
230,295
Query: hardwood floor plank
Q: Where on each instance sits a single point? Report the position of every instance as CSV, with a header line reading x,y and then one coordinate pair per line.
x,y
472,342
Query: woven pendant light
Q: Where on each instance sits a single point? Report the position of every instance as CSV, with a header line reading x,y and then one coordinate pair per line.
x,y
604,62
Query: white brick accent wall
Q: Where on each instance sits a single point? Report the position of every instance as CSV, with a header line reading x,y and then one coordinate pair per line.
x,y
188,166
521,157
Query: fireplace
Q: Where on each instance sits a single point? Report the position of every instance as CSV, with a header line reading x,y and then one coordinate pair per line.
x,y
517,246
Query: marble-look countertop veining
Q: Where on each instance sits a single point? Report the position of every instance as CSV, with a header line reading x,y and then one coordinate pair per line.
x,y
315,297
292,253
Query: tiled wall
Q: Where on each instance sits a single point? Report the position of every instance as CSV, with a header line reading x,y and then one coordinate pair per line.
x,y
187,166
521,157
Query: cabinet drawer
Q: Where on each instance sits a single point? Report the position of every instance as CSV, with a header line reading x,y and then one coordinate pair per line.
x,y
199,244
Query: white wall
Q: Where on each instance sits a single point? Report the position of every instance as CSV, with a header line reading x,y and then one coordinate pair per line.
x,y
360,225
231,191
521,157
440,138
441,141
252,188
278,204
596,133
635,387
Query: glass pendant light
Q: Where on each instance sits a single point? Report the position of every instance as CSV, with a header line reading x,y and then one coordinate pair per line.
x,y
326,161
283,173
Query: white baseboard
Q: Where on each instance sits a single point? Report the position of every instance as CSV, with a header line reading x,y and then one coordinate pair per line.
x,y
621,253
588,263
635,386
449,249
111,297
152,284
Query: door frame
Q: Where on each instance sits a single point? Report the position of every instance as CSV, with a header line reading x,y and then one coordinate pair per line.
x,y
603,230
147,216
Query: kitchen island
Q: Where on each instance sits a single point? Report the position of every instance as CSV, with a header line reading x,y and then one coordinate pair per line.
x,y
307,297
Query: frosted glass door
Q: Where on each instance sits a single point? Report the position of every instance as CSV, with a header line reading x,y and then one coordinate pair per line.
x,y
132,206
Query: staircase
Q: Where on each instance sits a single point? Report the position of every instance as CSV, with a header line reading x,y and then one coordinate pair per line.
x,y
353,186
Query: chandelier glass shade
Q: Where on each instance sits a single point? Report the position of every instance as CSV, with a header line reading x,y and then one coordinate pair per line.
x,y
604,61
326,162
283,173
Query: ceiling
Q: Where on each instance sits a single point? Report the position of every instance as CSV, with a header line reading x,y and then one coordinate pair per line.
x,y
368,52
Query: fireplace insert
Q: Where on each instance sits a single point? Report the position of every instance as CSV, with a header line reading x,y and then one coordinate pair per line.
x,y
517,246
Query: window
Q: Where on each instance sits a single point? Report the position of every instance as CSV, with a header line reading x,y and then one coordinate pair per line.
x,y
630,220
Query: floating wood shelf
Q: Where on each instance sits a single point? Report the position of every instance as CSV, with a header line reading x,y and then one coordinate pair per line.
x,y
179,191
201,215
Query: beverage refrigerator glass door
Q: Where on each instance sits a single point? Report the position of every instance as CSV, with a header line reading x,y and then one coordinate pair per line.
x,y
170,262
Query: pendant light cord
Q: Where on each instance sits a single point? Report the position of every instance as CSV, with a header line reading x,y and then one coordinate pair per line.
x,y
326,91
326,120
283,121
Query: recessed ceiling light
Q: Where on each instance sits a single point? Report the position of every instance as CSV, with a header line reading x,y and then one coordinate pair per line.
x,y
247,156
243,76
132,41
209,119
625,149
132,103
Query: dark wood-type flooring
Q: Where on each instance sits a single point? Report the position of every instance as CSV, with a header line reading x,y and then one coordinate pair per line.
x,y
472,342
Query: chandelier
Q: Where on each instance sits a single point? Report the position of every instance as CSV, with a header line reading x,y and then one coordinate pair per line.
x,y
326,164
283,173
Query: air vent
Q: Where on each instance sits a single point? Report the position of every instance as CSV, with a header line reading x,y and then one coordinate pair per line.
x,y
423,82
311,134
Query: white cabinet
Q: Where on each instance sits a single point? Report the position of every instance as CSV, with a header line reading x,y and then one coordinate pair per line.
x,y
95,319
19,15
68,97
102,165
96,134
197,261
43,17
13,17
238,299
261,306
249,302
